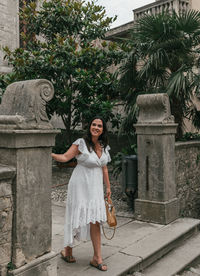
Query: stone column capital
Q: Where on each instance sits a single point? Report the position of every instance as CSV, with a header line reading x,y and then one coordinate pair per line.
x,y
23,105
154,109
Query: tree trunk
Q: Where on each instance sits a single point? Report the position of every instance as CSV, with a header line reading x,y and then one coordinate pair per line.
x,y
177,112
67,124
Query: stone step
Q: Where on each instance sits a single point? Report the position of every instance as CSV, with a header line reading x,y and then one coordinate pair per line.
x,y
176,260
191,272
159,243
144,252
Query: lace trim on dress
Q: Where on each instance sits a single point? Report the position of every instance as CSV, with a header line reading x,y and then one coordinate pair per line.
x,y
85,213
82,216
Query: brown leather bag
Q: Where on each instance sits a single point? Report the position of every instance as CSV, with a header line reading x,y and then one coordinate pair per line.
x,y
110,212
111,217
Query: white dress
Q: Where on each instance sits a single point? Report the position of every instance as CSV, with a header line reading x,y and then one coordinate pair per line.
x,y
85,198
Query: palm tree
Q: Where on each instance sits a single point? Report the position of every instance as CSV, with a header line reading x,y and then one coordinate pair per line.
x,y
163,57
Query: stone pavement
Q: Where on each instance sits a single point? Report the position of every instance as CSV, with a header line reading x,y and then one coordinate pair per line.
x,y
127,232
192,271
134,241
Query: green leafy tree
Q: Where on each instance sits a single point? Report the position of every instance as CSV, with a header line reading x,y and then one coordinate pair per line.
x,y
63,42
162,56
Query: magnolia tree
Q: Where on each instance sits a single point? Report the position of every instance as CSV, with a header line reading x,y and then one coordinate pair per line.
x,y
63,41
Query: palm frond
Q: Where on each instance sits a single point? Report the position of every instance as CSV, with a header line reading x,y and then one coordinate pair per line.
x,y
166,50
188,22
177,83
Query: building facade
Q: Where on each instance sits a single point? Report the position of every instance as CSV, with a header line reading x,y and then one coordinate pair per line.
x,y
9,29
155,7
9,21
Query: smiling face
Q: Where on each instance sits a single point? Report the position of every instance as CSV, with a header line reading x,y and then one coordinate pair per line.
x,y
96,128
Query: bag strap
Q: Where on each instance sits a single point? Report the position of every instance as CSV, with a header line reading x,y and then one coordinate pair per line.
x,y
114,228
108,200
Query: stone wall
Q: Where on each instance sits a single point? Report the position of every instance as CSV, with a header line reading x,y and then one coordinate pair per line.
x,y
6,214
188,177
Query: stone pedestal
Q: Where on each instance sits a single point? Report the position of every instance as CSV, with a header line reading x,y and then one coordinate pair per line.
x,y
156,130
45,265
26,141
29,151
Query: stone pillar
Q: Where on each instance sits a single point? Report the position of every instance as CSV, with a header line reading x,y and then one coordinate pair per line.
x,y
26,140
156,130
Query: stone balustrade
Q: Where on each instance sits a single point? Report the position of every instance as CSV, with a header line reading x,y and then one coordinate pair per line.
x,y
160,6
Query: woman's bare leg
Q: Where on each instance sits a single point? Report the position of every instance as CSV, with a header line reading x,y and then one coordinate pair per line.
x,y
95,234
68,251
67,255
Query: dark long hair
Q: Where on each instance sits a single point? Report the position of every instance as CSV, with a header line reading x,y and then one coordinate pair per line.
x,y
103,138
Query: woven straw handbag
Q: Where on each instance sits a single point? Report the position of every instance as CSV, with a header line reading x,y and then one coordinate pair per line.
x,y
111,217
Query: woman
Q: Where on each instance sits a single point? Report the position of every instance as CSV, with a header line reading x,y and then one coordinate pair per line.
x,y
85,207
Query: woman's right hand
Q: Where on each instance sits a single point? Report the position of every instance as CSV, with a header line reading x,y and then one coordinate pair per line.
x,y
68,155
53,155
108,193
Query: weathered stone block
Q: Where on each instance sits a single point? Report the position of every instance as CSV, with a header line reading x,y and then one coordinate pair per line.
x,y
5,253
157,212
154,108
23,139
45,265
6,220
3,270
159,172
23,105
7,156
32,192
5,203
5,237
188,177
5,188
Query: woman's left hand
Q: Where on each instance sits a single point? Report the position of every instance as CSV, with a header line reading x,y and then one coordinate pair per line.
x,y
108,193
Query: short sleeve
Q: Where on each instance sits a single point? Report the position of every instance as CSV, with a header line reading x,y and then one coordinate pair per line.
x,y
107,153
82,148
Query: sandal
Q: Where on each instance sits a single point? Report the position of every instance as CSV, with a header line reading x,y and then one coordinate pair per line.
x,y
68,259
99,266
